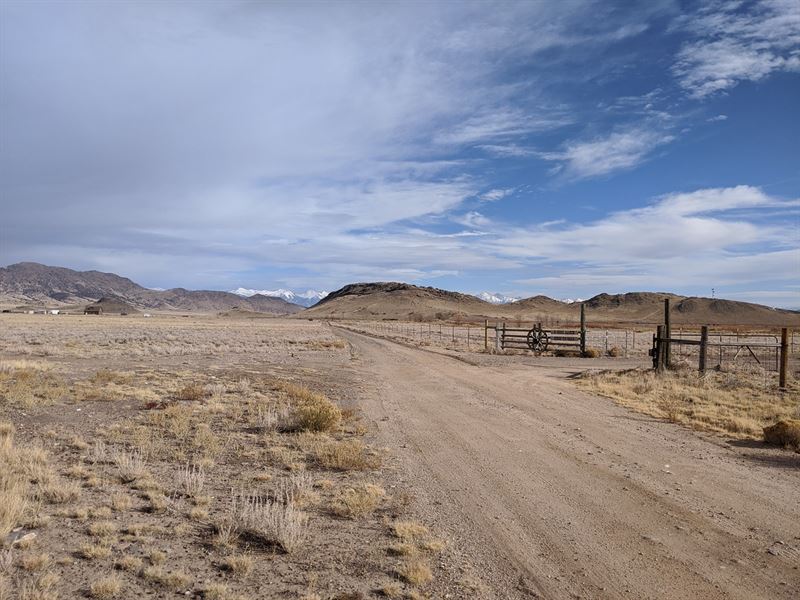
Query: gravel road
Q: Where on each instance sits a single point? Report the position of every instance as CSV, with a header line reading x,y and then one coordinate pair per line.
x,y
547,491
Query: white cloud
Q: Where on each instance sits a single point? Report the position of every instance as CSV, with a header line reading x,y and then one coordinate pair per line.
x,y
717,118
731,46
496,194
599,156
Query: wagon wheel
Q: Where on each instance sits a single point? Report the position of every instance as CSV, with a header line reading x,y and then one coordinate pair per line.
x,y
537,339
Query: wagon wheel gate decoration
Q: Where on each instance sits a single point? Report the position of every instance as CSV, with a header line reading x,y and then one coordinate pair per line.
x,y
537,339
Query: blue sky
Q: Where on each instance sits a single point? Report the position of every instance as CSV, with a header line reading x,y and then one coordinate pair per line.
x,y
559,148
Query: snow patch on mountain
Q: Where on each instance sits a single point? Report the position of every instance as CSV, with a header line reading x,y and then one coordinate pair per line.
x,y
307,298
495,298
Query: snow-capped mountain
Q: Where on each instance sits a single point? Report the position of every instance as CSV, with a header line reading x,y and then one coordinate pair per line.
x,y
307,298
571,300
494,298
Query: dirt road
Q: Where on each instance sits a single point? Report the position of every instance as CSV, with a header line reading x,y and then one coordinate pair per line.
x,y
550,492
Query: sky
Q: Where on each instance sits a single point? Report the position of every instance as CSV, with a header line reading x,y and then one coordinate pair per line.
x,y
564,148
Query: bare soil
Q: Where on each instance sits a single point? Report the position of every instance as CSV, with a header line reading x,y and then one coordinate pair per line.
x,y
543,490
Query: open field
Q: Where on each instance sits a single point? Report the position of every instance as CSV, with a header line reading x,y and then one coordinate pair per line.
x,y
274,458
169,455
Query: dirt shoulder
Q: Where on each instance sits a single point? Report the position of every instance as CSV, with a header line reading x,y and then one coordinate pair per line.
x,y
544,490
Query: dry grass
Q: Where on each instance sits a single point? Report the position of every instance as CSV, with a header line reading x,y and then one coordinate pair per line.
x,y
276,524
172,580
347,455
734,403
238,564
192,392
13,485
34,562
58,491
359,501
409,530
107,587
191,480
120,502
102,529
130,466
311,411
94,551
415,571
129,563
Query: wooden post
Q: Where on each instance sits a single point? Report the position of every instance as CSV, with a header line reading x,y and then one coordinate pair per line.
x,y
497,346
703,348
784,358
658,357
667,334
583,329
486,334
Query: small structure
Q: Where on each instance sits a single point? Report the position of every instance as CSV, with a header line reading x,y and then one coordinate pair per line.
x,y
93,310
54,311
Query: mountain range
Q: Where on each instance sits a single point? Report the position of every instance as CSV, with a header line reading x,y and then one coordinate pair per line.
x,y
36,284
306,299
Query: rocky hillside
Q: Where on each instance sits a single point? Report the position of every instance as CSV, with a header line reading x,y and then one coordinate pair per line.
x,y
33,283
403,301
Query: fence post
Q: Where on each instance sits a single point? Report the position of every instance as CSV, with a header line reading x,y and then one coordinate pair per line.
x,y
703,348
658,356
497,345
667,334
486,334
583,330
784,358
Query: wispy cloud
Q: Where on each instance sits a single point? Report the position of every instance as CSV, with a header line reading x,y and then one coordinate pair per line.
x,y
603,155
496,194
733,45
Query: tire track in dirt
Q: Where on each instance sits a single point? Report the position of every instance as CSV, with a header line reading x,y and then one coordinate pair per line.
x,y
559,494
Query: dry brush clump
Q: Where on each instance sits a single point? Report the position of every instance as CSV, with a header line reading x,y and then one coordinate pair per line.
x,y
271,522
345,455
311,411
785,433
735,403
354,502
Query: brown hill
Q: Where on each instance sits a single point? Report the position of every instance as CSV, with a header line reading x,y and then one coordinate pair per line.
x,y
28,282
402,301
391,300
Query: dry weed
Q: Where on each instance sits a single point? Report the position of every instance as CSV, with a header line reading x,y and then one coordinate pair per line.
x,y
278,524
347,455
106,587
415,571
191,480
130,466
734,403
355,502
238,564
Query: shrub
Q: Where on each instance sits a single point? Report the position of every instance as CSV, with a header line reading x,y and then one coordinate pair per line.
x,y
107,587
616,351
415,571
316,413
358,501
191,392
348,455
278,524
591,353
784,433
130,466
